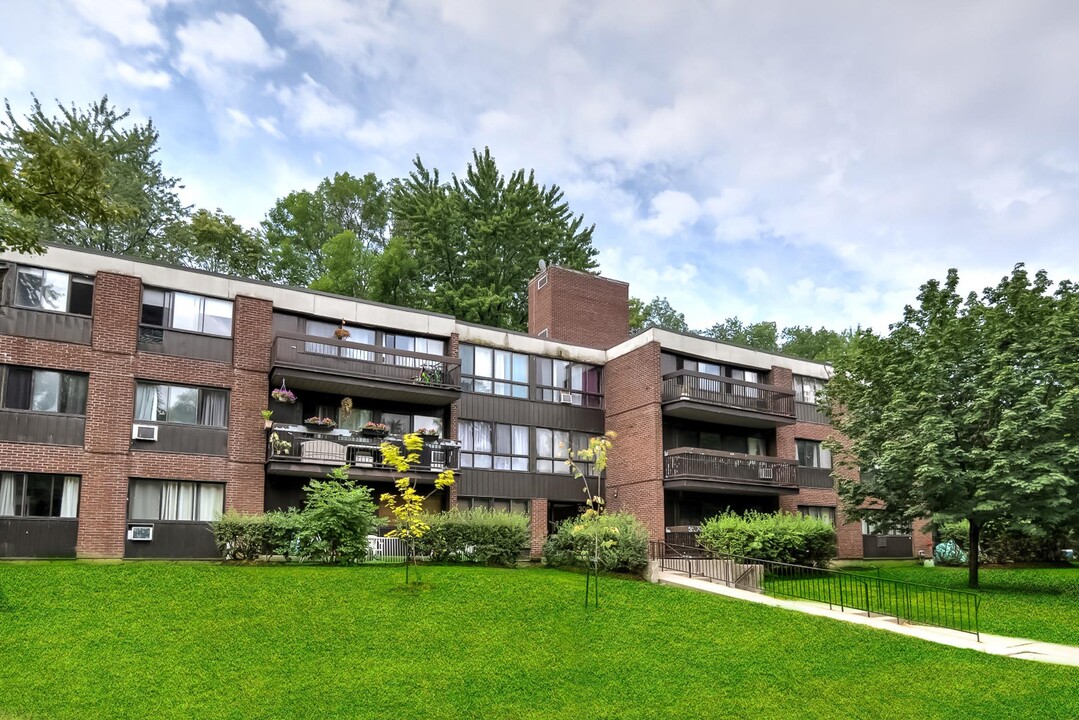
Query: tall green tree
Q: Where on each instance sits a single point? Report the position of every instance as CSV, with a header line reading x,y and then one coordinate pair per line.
x,y
759,335
304,233
657,312
87,178
478,239
214,241
821,344
967,409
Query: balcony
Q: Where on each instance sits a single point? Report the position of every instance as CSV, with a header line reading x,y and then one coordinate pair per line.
x,y
711,398
315,453
717,471
370,371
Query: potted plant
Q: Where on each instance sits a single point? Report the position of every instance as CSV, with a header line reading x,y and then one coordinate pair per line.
x,y
429,375
346,406
325,423
430,433
283,395
280,445
266,415
374,429
342,332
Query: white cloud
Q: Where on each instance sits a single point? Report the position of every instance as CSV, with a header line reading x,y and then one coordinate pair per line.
x,y
239,119
213,50
12,72
672,211
142,78
315,109
129,21
269,126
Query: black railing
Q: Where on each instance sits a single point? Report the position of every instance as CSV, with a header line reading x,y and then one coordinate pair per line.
x,y
719,465
727,392
875,596
815,477
366,361
356,450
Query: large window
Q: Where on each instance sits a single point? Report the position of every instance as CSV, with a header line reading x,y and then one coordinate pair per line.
x,y
362,336
176,500
501,372
44,390
181,404
807,389
38,495
493,504
52,290
398,423
871,527
567,382
820,512
493,446
553,448
184,311
813,455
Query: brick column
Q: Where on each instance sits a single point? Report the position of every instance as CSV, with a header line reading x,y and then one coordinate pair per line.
x,y
537,509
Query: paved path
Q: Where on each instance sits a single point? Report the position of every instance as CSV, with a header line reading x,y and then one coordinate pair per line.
x,y
991,644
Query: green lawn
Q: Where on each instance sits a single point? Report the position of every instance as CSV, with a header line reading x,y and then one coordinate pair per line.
x,y
1033,603
213,641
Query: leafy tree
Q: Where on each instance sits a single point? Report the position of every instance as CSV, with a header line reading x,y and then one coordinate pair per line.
x,y
85,179
304,232
657,312
338,517
214,241
759,335
822,344
966,409
478,239
395,275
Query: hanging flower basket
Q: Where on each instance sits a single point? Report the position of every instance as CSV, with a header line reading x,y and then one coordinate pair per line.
x,y
342,332
283,395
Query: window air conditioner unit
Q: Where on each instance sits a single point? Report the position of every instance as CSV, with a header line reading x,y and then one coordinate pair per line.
x,y
144,432
765,473
565,397
140,533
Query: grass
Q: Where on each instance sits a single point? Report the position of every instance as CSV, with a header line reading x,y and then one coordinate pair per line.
x,y
1034,603
213,641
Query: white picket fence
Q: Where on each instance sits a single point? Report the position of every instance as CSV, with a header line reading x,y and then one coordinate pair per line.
x,y
387,548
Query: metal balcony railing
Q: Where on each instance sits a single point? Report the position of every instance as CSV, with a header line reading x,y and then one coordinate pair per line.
x,y
698,387
357,450
719,465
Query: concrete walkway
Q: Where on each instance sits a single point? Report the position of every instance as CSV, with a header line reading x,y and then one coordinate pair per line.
x,y
991,644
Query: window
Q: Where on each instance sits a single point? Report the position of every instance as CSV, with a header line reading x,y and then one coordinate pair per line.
x,y
811,454
176,500
493,446
45,391
820,512
553,448
807,389
501,372
362,336
52,290
38,495
184,311
569,382
870,527
493,504
181,404
410,344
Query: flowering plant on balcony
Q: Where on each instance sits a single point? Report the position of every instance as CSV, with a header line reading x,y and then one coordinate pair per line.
x,y
320,421
428,432
430,374
283,395
342,333
374,428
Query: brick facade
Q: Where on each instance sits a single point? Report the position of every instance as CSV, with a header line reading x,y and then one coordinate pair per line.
x,y
537,526
578,308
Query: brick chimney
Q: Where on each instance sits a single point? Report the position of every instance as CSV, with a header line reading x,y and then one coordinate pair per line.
x,y
578,307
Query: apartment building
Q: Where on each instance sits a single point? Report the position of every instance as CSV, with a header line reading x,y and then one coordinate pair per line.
x,y
131,397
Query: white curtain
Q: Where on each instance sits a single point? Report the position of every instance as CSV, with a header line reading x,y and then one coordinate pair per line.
x,y
211,501
214,410
146,499
146,402
170,492
7,494
69,501
185,502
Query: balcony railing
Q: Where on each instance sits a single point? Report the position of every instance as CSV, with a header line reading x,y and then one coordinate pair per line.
x,y
340,448
810,413
719,465
373,362
815,477
727,392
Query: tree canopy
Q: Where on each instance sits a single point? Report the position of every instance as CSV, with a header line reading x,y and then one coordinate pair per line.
x,y
759,335
657,312
967,409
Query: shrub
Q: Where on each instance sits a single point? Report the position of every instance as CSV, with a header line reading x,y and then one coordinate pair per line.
x,y
281,530
239,536
780,537
629,553
478,535
336,521
1002,542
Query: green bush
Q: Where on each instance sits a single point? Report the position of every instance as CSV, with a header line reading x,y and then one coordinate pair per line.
x,y
336,521
239,536
478,536
780,537
629,553
281,530
1003,542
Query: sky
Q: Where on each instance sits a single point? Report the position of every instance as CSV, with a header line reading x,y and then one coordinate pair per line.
x,y
807,163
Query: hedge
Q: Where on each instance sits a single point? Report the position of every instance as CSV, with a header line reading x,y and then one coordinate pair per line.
x,y
780,537
1002,543
475,536
628,554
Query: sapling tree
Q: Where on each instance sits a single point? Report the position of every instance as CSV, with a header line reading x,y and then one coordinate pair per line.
x,y
598,534
407,505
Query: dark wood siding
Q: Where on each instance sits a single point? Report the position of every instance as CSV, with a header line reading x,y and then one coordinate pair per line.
x,y
45,428
808,412
190,439
495,408
887,546
173,540
38,537
60,327
505,484
185,344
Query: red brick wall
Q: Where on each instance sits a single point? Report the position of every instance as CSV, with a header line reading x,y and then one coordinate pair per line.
x,y
579,308
635,469
537,511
